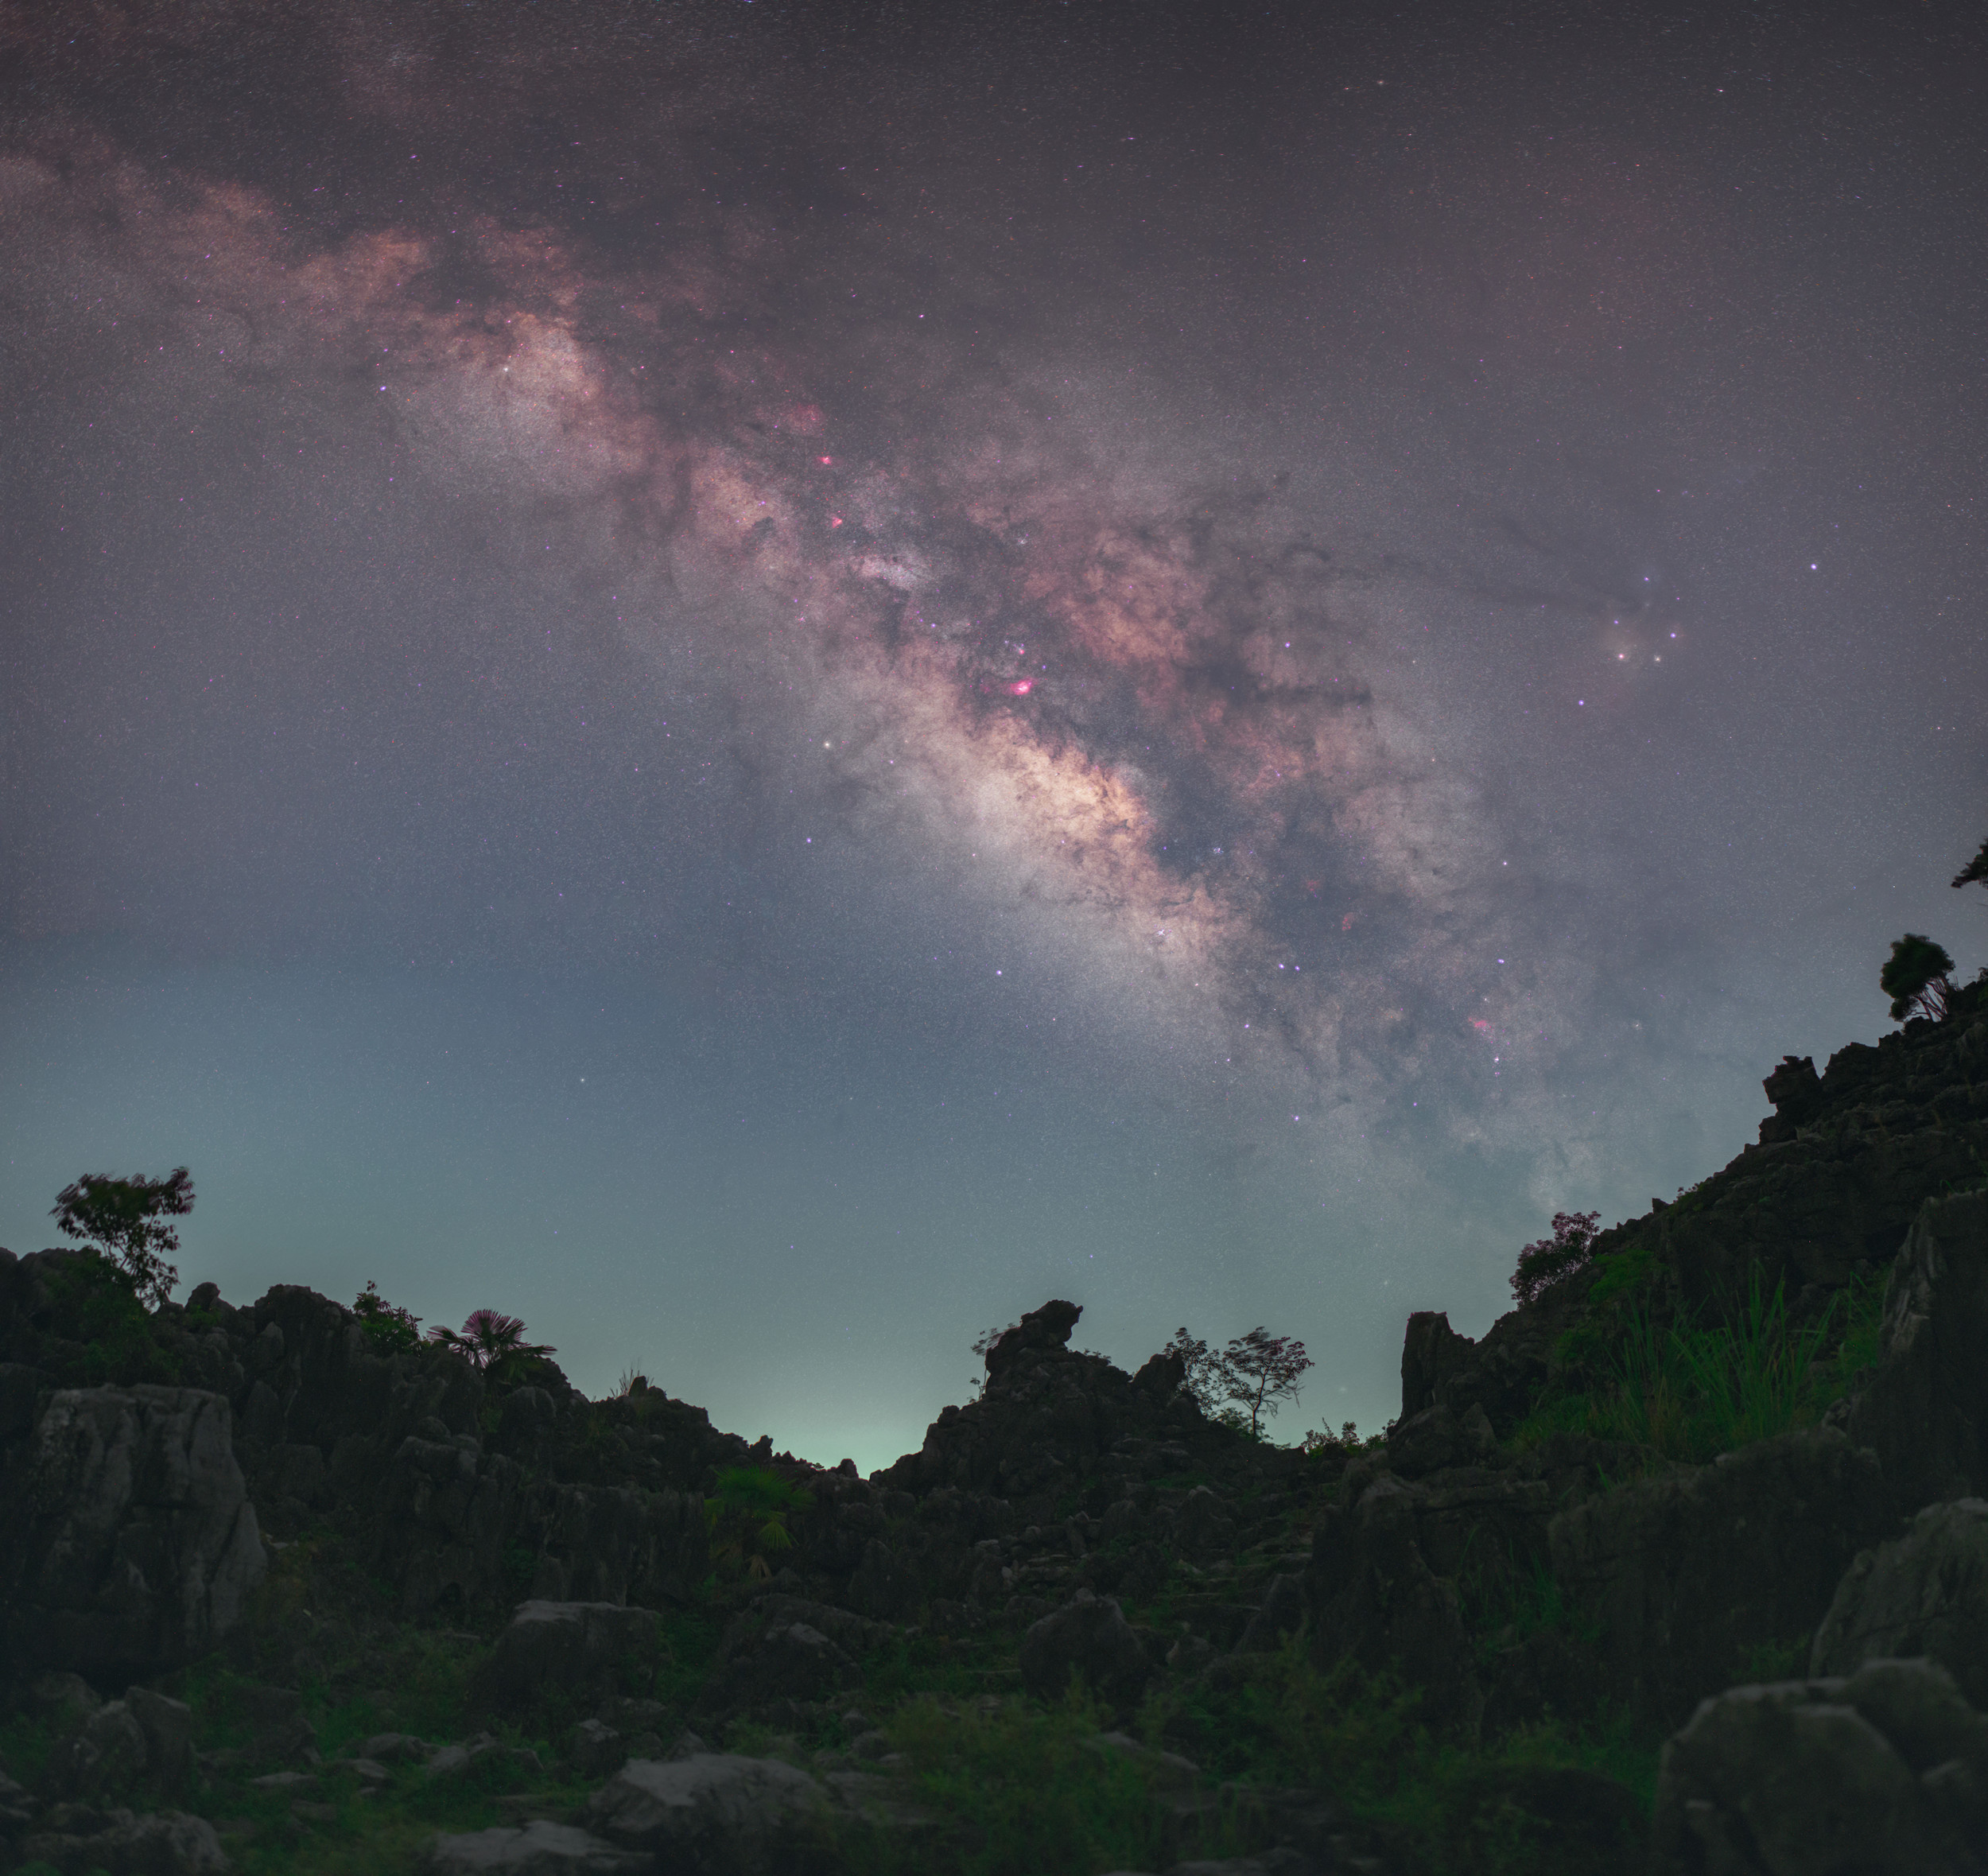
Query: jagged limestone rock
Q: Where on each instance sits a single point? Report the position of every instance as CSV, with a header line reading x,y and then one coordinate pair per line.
x,y
1924,1593
1884,1773
568,1649
1089,1639
1685,1572
1925,1412
138,1549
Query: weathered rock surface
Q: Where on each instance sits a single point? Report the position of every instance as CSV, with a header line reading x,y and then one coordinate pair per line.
x,y
106,1753
119,1843
568,1649
138,1547
789,1661
1374,1599
1924,1593
1925,1412
1089,1639
1685,1573
1884,1773
715,1814
541,1848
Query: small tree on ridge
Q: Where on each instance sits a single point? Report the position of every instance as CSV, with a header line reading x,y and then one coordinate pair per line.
x,y
122,1217
1261,1370
1547,1259
489,1341
1915,977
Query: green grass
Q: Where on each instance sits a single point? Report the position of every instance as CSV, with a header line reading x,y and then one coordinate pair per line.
x,y
1022,1794
1441,1808
1690,1389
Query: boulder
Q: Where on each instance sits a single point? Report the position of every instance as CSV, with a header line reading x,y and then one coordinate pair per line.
x,y
1924,1412
157,1844
1687,1571
566,1647
541,1848
1202,1526
1885,1772
1796,1092
1281,1613
790,1661
65,1699
1091,1638
852,1633
881,1587
106,1755
139,1549
1924,1593
1431,1352
168,1727
715,1814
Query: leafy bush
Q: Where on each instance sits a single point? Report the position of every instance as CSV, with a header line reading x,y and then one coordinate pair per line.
x,y
746,1515
93,1301
388,1327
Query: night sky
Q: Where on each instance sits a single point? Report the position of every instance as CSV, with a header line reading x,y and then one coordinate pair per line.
x,y
764,681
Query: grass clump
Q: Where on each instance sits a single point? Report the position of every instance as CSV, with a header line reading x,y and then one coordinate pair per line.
x,y
1689,1389
1024,1789
1440,1808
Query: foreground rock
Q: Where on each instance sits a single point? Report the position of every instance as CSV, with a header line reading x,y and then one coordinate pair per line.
x,y
158,1844
1924,1593
567,1649
138,1548
1089,1641
1883,1773
539,1849
715,1814
1685,1573
1925,1412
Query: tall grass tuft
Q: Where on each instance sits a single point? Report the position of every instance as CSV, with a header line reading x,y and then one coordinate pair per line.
x,y
1690,1389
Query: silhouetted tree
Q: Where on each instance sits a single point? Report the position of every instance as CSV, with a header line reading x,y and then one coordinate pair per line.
x,y
1915,977
1259,1370
1202,1377
1975,871
490,1342
1547,1259
122,1217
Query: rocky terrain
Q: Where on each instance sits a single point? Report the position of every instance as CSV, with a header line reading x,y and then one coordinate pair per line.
x,y
1682,1567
